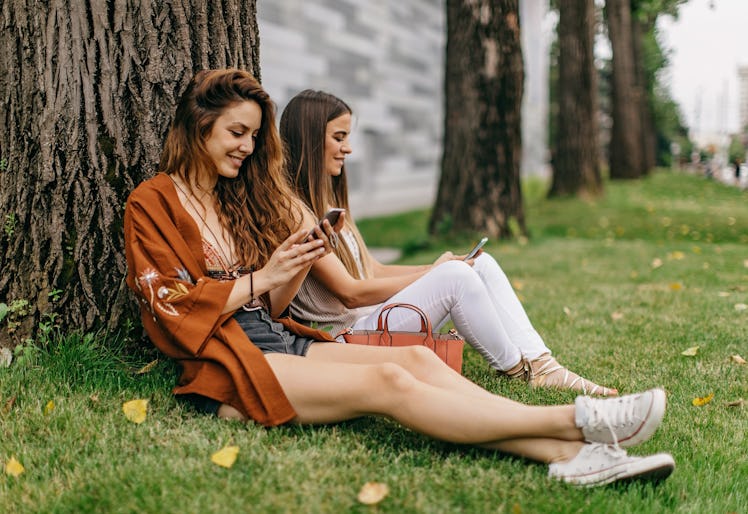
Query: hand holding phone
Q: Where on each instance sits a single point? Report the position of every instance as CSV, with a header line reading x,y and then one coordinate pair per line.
x,y
475,249
332,216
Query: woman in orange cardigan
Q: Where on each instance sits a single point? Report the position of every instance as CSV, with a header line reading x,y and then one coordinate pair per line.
x,y
217,246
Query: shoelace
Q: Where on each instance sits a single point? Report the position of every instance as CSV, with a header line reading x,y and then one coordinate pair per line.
x,y
599,417
614,451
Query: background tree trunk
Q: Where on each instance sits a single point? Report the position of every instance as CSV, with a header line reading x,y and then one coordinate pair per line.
x,y
645,88
88,92
479,189
576,167
625,149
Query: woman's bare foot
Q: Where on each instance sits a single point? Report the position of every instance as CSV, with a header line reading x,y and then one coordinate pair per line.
x,y
226,411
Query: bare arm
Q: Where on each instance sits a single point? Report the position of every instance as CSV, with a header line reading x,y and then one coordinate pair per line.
x,y
393,270
353,292
284,273
281,276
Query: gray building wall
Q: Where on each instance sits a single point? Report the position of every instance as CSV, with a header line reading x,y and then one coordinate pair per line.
x,y
385,58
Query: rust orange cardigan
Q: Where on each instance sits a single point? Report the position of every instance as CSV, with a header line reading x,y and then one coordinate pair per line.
x,y
181,308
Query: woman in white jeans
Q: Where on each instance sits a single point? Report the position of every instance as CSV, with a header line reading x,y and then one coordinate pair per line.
x,y
349,287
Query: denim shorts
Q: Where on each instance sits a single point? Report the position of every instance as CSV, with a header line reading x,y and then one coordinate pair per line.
x,y
267,335
270,336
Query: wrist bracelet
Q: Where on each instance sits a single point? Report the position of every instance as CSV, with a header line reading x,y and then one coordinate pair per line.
x,y
251,285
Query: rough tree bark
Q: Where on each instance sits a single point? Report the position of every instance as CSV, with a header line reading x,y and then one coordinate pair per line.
x,y
576,167
479,189
88,89
625,151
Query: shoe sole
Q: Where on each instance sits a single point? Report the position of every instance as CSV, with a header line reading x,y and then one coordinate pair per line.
x,y
654,468
651,421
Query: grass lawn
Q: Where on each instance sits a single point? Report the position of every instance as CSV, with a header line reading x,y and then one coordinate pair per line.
x,y
619,288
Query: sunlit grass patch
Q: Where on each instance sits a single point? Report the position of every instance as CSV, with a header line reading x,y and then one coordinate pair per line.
x,y
603,299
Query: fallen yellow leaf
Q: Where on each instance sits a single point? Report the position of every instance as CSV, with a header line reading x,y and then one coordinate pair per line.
x,y
698,402
148,367
373,492
676,256
49,407
518,285
737,358
13,467
9,404
690,352
676,286
225,457
135,410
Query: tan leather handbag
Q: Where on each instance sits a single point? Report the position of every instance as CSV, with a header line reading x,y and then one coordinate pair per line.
x,y
447,346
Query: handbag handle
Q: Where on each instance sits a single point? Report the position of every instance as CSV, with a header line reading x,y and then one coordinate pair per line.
x,y
382,322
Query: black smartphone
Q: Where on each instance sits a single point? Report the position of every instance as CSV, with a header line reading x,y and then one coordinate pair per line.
x,y
332,216
475,249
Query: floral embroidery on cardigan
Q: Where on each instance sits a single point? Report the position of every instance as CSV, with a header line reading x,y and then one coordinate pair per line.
x,y
184,275
148,277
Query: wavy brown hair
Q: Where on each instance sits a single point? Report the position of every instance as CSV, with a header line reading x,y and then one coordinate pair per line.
x,y
256,208
303,127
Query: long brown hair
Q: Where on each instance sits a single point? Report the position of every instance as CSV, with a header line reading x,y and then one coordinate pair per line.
x,y
256,207
303,127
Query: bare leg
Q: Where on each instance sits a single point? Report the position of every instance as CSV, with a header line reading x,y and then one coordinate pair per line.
x,y
325,392
421,362
539,449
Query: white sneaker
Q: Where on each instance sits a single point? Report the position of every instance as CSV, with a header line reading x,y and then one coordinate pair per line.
x,y
599,464
625,420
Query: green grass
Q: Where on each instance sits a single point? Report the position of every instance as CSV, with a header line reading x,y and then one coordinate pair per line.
x,y
584,262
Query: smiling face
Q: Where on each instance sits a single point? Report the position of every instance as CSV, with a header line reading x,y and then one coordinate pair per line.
x,y
232,138
337,146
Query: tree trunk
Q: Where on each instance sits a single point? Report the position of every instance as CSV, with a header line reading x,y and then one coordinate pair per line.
x,y
644,87
625,149
479,189
576,167
89,89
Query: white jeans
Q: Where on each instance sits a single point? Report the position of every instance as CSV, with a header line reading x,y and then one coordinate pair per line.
x,y
481,303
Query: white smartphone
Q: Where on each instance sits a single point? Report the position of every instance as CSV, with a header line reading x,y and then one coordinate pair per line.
x,y
332,216
475,249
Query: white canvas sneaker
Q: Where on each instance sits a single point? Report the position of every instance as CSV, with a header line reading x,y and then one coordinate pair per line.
x,y
624,421
600,464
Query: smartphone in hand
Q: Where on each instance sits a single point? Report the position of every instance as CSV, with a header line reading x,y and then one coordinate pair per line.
x,y
332,216
475,249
